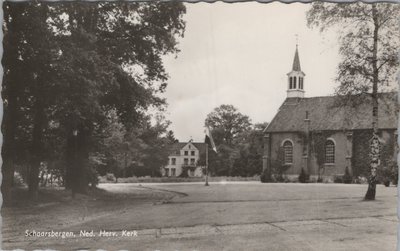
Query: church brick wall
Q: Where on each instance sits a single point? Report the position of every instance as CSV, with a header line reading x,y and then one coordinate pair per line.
x,y
351,150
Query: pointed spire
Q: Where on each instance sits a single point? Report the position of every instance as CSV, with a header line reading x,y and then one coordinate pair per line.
x,y
296,61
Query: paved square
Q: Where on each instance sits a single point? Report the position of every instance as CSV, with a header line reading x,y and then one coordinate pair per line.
x,y
223,216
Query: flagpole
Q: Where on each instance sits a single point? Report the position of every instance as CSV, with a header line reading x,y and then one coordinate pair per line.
x,y
206,165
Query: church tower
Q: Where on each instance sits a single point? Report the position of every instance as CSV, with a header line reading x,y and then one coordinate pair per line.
x,y
296,78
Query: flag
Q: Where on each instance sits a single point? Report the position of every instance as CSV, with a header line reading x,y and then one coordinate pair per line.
x,y
210,138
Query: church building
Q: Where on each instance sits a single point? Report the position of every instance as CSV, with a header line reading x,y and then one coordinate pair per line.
x,y
324,136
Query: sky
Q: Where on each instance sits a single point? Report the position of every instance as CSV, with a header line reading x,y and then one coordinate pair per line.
x,y
239,54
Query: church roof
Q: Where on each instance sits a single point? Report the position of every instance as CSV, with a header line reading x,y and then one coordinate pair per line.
x,y
296,61
328,113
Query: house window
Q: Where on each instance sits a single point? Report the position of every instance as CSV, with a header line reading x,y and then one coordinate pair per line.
x,y
166,172
288,152
173,161
186,161
173,170
329,152
192,161
192,153
186,153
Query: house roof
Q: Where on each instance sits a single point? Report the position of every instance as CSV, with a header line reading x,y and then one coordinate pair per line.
x,y
179,145
328,113
201,146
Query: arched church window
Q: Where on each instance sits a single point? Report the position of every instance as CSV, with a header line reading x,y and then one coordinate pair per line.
x,y
329,152
294,83
287,152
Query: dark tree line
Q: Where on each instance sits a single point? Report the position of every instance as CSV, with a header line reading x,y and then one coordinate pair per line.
x,y
71,70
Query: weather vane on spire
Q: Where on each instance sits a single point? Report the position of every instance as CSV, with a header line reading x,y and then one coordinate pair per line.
x,y
297,39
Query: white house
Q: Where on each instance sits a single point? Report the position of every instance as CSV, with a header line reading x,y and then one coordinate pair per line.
x,y
185,155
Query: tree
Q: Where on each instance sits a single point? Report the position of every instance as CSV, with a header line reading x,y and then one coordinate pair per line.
x,y
26,85
229,121
117,47
368,48
157,150
67,65
226,124
171,137
239,143
250,143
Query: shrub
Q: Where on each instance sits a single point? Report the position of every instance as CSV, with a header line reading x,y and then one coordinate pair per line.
x,y
279,178
338,179
385,175
92,176
303,176
110,177
18,180
395,174
266,177
347,178
185,171
360,180
140,171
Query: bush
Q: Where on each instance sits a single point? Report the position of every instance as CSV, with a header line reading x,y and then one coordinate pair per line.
x,y
347,178
266,177
18,180
140,171
110,177
279,178
360,180
92,176
185,171
395,174
384,175
338,179
303,176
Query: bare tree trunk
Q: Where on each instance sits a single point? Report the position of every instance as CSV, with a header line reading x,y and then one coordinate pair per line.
x,y
375,145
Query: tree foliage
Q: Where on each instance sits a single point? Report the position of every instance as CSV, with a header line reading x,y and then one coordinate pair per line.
x,y
68,66
369,37
239,143
229,123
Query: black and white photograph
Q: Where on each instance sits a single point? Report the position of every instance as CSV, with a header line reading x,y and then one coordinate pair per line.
x,y
171,125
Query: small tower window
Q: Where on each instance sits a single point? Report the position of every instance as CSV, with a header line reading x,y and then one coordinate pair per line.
x,y
294,83
301,83
290,82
